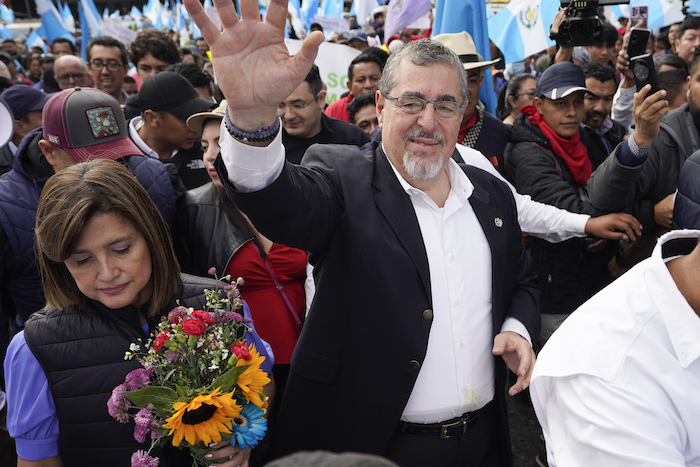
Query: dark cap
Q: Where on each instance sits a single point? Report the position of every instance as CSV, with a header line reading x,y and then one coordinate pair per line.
x,y
23,99
88,124
560,80
171,92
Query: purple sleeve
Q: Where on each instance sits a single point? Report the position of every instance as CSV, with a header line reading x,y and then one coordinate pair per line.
x,y
31,413
262,346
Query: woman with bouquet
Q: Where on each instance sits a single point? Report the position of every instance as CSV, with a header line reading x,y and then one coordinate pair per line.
x,y
212,231
110,274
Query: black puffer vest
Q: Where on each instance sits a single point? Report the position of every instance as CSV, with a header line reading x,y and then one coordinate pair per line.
x,y
82,355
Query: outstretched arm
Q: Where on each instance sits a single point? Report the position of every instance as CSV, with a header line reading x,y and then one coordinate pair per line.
x,y
252,65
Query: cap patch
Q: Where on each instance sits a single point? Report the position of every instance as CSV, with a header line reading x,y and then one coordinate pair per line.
x,y
102,121
53,139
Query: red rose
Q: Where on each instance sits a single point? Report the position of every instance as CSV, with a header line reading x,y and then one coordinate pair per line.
x,y
160,341
193,327
203,316
240,350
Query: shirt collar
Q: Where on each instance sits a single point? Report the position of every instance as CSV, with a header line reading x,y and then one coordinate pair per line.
x,y
682,323
460,184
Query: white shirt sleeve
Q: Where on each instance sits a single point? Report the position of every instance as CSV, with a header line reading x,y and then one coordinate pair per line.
x,y
251,168
537,219
513,324
588,420
623,102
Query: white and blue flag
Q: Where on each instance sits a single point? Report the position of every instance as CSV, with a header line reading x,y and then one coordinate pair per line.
x,y
51,21
521,28
7,15
332,8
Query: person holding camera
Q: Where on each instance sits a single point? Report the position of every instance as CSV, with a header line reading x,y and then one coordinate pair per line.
x,y
642,176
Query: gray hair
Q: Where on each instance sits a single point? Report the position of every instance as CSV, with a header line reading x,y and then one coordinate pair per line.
x,y
423,52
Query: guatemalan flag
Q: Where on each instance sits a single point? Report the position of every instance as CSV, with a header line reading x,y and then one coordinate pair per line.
x,y
663,12
521,28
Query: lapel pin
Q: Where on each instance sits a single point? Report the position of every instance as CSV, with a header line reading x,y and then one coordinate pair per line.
x,y
498,222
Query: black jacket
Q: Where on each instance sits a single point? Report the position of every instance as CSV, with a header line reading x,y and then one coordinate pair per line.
x,y
686,210
568,273
346,206
332,131
204,236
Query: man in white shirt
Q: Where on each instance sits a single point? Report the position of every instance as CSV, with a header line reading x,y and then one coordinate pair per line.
x,y
615,385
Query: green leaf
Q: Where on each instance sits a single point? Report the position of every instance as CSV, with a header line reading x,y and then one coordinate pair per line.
x,y
161,397
228,379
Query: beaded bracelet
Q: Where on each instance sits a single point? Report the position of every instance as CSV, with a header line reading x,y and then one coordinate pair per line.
x,y
265,133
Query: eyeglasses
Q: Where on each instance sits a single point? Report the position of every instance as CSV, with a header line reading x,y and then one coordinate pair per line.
x,y
531,95
295,106
414,105
78,78
111,66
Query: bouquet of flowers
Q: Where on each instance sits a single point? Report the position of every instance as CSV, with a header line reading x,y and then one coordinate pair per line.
x,y
200,381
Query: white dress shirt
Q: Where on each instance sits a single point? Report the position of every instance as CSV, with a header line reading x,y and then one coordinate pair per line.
x,y
457,375
617,384
537,219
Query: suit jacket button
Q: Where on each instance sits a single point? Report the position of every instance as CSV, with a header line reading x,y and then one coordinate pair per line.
x,y
428,314
414,365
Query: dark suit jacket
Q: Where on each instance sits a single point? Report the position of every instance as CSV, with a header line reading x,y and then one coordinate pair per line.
x,y
360,351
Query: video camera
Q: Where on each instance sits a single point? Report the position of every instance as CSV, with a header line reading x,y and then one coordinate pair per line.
x,y
582,22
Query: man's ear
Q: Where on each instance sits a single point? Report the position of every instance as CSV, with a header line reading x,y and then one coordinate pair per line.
x,y
539,105
48,151
381,104
20,128
321,99
150,118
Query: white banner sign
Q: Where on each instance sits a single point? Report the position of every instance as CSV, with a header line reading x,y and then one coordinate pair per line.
x,y
119,30
332,61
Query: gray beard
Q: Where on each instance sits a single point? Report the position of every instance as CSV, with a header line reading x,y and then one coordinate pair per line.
x,y
418,171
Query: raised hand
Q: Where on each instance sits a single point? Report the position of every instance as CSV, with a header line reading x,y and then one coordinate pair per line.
x,y
252,65
647,112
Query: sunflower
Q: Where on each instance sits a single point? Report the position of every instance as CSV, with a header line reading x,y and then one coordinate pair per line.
x,y
252,380
203,418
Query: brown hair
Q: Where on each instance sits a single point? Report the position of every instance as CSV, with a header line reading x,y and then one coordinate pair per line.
x,y
69,201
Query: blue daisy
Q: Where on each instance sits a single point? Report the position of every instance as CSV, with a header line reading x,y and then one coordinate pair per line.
x,y
249,427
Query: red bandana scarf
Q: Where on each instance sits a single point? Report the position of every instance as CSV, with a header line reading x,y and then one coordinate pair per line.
x,y
571,151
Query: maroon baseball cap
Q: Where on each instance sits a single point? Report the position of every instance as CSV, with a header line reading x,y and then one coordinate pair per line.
x,y
88,124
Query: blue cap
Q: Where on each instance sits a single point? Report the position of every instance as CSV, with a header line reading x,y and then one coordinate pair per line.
x,y
357,34
560,80
23,99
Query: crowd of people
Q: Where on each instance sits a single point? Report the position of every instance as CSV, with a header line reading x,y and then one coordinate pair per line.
x,y
407,254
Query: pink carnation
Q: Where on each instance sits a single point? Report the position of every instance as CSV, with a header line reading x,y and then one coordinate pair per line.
x,y
138,378
141,459
211,271
118,405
